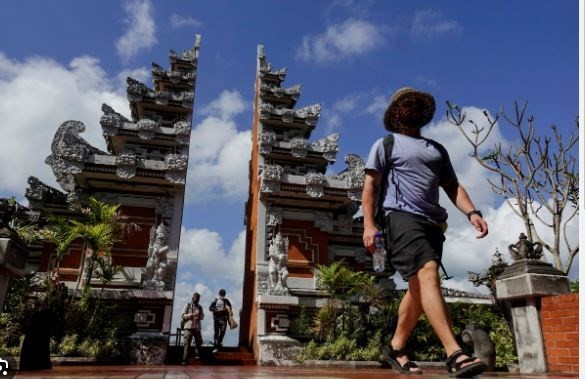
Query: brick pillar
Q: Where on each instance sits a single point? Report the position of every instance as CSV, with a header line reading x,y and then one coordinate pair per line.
x,y
559,317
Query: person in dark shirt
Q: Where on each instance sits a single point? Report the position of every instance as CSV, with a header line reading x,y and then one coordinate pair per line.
x,y
222,310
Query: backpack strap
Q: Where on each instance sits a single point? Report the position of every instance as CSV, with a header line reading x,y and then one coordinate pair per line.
x,y
388,143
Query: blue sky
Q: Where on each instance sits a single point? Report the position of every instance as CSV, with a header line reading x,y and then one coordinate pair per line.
x,y
62,60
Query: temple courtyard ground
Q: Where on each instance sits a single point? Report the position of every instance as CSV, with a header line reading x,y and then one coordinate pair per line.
x,y
228,372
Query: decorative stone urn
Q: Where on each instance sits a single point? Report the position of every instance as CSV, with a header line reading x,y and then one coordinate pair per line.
x,y
522,284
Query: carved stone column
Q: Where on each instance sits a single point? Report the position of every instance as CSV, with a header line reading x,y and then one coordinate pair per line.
x,y
522,284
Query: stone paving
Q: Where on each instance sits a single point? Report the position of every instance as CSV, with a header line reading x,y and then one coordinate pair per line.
x,y
249,372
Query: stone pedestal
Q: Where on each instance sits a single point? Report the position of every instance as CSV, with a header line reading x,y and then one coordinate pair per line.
x,y
522,284
275,347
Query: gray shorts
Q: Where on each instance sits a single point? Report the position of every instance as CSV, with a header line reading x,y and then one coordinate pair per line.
x,y
413,240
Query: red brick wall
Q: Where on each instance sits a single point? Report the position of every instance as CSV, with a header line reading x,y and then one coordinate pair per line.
x,y
559,317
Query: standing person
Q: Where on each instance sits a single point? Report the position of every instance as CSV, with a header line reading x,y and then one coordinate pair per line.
x,y
222,310
192,315
415,223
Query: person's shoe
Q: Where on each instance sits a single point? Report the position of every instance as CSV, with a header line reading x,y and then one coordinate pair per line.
x,y
183,363
465,368
215,350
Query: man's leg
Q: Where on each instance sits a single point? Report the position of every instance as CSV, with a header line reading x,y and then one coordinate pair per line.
x,y
222,328
186,344
409,312
198,343
433,304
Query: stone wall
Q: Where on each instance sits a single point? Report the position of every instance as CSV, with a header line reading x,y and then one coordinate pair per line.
x,y
559,317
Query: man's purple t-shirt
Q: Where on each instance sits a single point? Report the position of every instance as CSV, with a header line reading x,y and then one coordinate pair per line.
x,y
418,170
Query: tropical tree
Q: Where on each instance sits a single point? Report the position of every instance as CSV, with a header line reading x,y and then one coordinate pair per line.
x,y
61,233
538,178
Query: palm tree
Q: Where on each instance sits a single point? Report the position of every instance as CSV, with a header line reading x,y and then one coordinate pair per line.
x,y
99,232
61,233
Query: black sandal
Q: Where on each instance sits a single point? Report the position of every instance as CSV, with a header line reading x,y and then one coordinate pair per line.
x,y
390,354
457,370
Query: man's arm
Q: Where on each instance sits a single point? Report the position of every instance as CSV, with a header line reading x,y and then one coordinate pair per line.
x,y
459,197
185,314
369,199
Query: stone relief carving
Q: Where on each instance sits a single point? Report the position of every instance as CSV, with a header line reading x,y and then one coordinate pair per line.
x,y
146,128
136,90
273,216
329,146
265,110
266,67
271,176
324,221
262,283
525,249
277,271
287,115
299,147
353,176
183,130
173,76
69,151
176,165
164,208
38,193
156,266
126,163
344,224
315,182
266,140
111,121
310,113
293,92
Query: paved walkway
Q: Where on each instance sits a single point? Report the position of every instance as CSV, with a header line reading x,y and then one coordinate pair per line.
x,y
249,372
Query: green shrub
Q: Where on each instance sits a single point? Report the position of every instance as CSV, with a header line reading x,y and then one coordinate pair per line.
x,y
68,345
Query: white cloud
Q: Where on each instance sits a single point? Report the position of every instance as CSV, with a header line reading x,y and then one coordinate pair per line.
x,y
178,21
347,39
378,106
142,74
38,95
140,31
219,153
429,24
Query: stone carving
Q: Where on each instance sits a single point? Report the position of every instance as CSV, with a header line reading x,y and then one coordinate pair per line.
x,y
38,193
483,347
299,146
315,182
176,165
293,92
353,176
287,115
164,208
111,121
324,221
277,271
329,146
271,176
190,55
156,265
497,259
266,68
69,151
273,216
146,128
183,130
126,165
344,224
525,249
136,90
266,140
162,97
265,110
174,76
310,113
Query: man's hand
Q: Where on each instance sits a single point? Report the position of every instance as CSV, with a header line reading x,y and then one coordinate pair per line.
x,y
369,238
479,224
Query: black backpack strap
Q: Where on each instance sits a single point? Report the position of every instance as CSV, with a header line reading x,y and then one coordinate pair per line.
x,y
388,143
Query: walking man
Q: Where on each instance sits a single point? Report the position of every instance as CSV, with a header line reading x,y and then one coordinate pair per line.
x,y
192,315
415,222
222,310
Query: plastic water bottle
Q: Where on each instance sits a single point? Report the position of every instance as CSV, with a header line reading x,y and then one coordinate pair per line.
x,y
379,256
